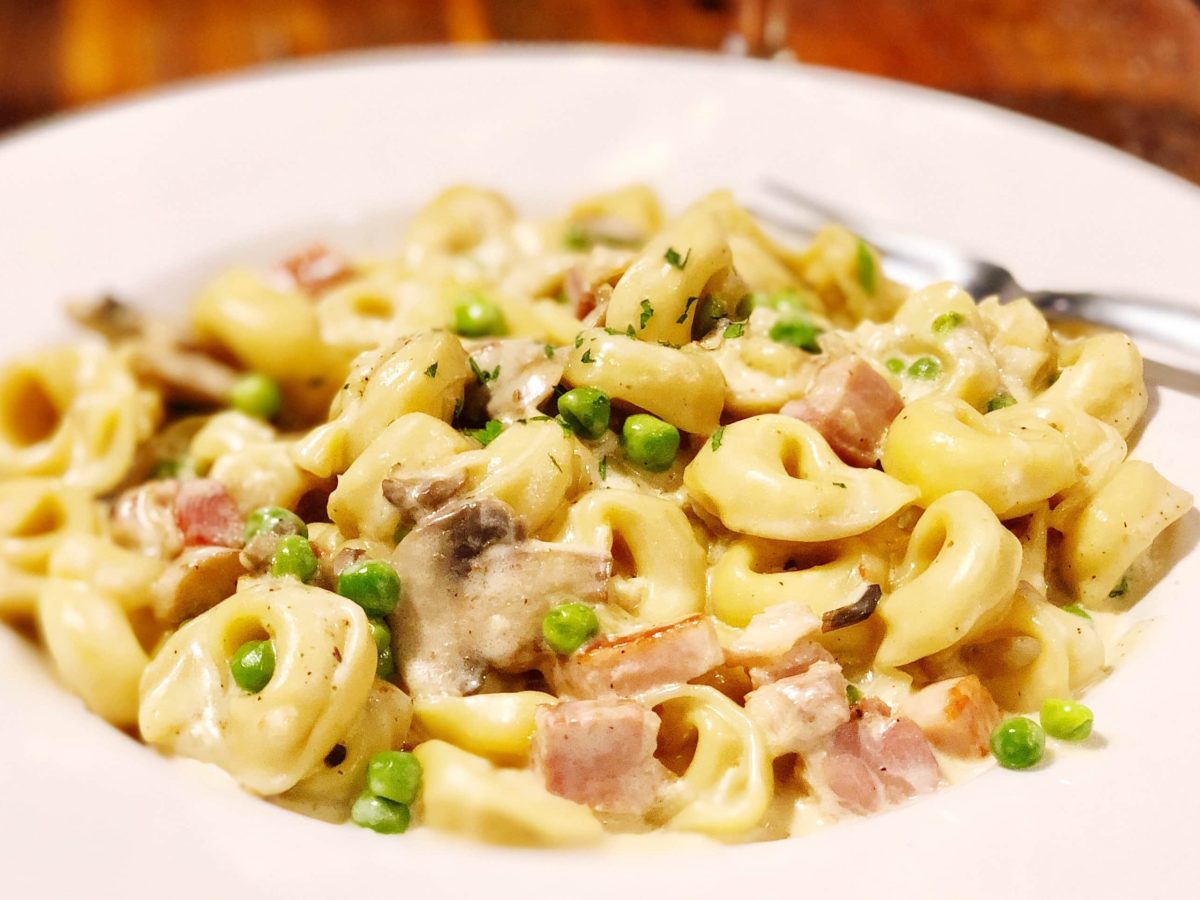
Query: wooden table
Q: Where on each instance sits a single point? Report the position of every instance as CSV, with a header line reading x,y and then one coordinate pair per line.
x,y
1125,71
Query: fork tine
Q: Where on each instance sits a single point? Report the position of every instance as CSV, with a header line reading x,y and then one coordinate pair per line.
x,y
909,247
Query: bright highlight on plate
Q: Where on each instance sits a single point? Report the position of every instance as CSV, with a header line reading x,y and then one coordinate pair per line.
x,y
536,531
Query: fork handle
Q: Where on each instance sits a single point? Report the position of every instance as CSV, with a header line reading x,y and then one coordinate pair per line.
x,y
1172,324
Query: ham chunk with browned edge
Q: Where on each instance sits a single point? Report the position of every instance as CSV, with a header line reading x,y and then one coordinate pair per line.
x,y
958,715
851,405
633,663
798,712
876,760
600,752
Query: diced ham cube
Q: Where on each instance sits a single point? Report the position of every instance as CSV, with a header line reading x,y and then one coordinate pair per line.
x,y
876,760
798,659
958,715
316,268
633,663
852,405
771,633
600,752
207,514
796,713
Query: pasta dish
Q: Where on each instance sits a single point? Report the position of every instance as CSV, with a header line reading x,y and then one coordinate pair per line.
x,y
542,531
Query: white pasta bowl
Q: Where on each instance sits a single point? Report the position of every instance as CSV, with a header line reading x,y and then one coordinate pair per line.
x,y
143,198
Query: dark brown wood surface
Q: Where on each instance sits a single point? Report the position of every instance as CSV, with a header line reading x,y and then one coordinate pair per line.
x,y
1125,71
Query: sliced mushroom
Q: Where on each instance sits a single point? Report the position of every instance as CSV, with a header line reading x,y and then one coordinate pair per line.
x,y
184,375
417,496
109,317
853,613
475,593
196,582
518,376
156,352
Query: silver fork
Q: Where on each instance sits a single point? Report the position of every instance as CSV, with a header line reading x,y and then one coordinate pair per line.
x,y
917,259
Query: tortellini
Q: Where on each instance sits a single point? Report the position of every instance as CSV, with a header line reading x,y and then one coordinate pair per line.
x,y
683,387
466,794
664,581
75,414
1115,527
36,515
325,666
957,578
728,781
775,477
421,373
943,445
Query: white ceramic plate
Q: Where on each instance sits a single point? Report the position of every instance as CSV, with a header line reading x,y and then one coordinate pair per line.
x,y
141,197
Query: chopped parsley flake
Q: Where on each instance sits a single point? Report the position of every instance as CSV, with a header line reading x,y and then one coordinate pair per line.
x,y
687,309
647,313
672,256
1076,610
554,461
629,332
548,349
736,330
487,433
431,372
1121,589
586,359
482,375
947,322
717,437
868,277
853,694
603,468
840,484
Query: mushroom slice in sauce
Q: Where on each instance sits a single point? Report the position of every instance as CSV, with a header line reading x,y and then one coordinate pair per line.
x,y
475,593
196,582
520,376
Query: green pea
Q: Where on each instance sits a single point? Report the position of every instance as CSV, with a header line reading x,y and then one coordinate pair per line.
x,y
294,557
252,665
895,365
385,667
1001,401
569,626
394,775
373,584
256,395
1018,743
947,322
787,301
379,814
797,332
274,520
925,368
649,442
586,410
1066,720
478,316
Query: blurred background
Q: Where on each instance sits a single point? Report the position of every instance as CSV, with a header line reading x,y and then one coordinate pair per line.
x,y
1124,71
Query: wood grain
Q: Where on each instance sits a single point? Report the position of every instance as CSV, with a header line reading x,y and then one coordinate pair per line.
x,y
1125,71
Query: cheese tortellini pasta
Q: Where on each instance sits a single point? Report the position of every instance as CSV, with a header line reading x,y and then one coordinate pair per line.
x,y
556,532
